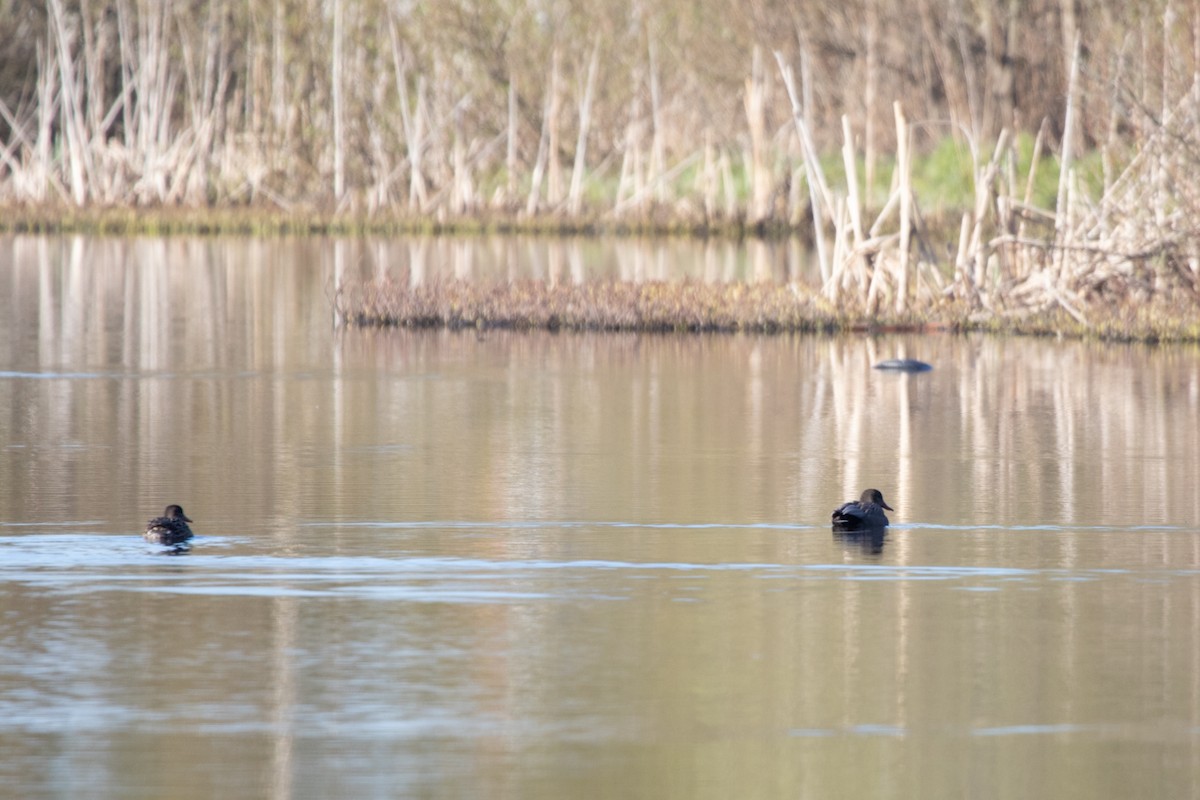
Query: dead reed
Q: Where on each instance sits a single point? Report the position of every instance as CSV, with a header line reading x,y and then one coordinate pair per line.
x,y
414,120
1127,267
608,111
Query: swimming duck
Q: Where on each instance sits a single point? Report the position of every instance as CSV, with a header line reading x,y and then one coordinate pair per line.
x,y
904,365
170,528
863,514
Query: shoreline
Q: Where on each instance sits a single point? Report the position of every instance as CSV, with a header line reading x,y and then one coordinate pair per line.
x,y
683,306
262,221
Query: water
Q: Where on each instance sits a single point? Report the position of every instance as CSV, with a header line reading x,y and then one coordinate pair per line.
x,y
435,564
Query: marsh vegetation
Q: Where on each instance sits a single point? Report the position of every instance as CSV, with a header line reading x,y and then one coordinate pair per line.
x,y
992,165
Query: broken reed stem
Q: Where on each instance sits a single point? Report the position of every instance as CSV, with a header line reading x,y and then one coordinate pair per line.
x,y
815,178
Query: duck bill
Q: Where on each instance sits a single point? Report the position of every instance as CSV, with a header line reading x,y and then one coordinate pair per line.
x,y
885,505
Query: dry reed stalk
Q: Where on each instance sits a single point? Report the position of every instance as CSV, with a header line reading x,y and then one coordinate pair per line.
x,y
726,171
510,152
795,200
961,277
626,175
849,161
539,165
870,93
818,195
857,258
412,119
460,182
554,187
575,196
658,158
1061,220
904,171
70,106
838,256
885,213
709,177
755,100
339,122
1035,159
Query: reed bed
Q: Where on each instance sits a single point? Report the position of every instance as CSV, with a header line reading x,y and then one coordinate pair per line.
x,y
1126,266
349,116
615,112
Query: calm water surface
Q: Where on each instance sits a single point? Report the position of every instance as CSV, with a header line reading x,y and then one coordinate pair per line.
x,y
515,565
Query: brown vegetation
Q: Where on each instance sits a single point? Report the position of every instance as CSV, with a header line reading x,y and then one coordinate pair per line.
x,y
1127,266
631,113
606,306
618,108
696,307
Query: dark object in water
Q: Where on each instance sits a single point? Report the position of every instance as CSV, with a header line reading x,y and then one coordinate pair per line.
x,y
170,528
904,365
870,541
863,514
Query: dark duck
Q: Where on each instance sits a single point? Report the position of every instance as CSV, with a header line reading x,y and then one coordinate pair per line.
x,y
863,514
170,528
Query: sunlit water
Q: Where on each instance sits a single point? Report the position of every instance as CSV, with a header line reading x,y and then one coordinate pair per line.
x,y
440,564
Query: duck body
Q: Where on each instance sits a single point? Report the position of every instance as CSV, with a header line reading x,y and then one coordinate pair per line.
x,y
863,514
170,528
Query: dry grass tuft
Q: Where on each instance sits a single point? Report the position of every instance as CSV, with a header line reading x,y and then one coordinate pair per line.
x,y
600,306
656,306
696,307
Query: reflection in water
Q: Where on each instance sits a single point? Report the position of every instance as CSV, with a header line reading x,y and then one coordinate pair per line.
x,y
181,549
537,563
870,542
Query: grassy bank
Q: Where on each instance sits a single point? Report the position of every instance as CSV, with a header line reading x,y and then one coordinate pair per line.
x,y
265,221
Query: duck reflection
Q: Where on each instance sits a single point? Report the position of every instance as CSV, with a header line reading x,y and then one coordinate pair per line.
x,y
869,541
181,549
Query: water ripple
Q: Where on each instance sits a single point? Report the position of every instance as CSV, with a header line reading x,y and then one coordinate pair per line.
x,y
84,562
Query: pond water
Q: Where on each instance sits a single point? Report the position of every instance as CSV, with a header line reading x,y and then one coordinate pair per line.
x,y
512,565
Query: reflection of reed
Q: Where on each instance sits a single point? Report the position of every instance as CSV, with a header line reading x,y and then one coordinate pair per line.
x,y
575,260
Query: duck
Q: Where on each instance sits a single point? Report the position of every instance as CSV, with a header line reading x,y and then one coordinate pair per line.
x,y
170,528
904,365
866,513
